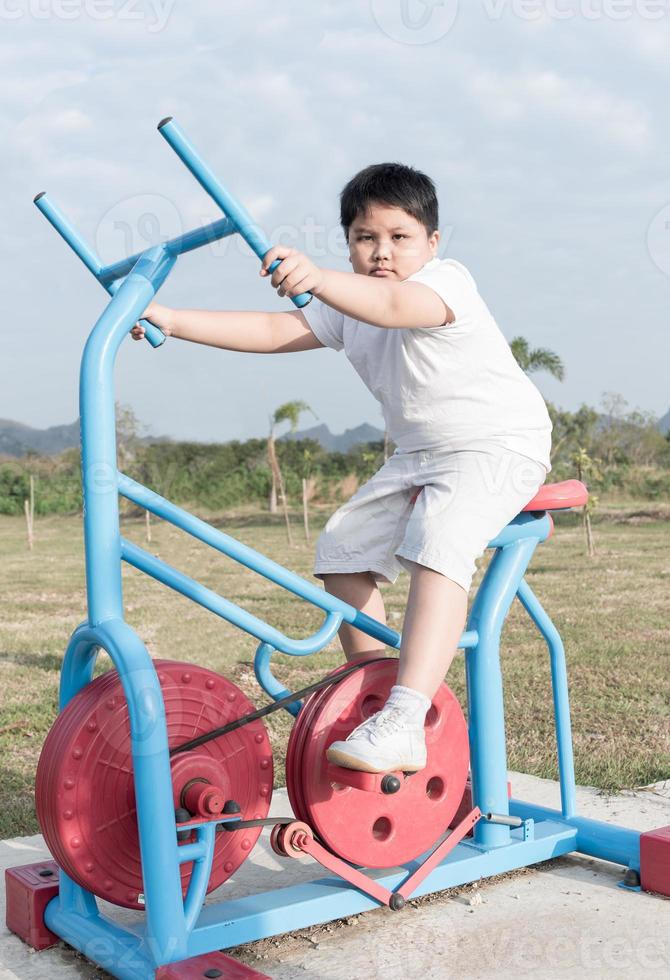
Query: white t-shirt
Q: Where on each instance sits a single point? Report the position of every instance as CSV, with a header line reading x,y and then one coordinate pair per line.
x,y
457,386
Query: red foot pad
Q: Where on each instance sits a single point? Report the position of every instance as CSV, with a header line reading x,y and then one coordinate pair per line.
x,y
371,829
85,796
655,861
30,888
209,965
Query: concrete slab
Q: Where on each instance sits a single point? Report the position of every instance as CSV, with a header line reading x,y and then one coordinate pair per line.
x,y
559,920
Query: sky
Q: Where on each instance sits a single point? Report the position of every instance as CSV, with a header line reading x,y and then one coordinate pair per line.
x,y
542,122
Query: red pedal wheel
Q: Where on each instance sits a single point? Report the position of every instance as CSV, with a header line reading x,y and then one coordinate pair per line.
x,y
84,793
372,829
295,743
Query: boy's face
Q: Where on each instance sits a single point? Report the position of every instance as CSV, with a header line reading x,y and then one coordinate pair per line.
x,y
388,243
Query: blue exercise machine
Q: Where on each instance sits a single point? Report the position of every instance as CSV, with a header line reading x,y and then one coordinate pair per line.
x,y
179,827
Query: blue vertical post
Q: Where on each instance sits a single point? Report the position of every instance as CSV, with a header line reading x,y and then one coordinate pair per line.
x,y
98,434
149,746
486,714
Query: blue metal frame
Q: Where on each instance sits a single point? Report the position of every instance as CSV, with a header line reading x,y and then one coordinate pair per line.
x,y
174,928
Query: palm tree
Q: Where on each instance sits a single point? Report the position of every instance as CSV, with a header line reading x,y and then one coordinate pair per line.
x,y
289,412
537,359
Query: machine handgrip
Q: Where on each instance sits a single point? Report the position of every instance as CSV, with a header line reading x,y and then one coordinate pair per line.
x,y
71,236
231,207
152,333
302,299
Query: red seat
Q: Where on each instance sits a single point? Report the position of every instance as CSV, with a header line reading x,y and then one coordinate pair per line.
x,y
559,496
550,496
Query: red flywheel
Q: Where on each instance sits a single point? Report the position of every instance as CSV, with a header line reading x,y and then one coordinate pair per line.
x,y
85,797
367,828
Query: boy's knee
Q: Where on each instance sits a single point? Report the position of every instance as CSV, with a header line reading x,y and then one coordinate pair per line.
x,y
356,588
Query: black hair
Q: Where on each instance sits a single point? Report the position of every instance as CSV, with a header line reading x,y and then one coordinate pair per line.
x,y
395,185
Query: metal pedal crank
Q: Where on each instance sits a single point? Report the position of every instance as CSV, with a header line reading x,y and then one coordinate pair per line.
x,y
289,840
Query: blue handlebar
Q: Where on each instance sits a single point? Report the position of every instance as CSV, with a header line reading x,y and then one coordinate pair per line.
x,y
236,220
153,334
231,207
80,247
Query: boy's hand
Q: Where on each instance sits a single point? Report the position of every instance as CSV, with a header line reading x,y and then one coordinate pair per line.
x,y
160,316
295,274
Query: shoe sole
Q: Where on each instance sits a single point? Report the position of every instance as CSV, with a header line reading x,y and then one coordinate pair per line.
x,y
339,758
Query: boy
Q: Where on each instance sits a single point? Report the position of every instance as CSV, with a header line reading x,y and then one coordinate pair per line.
x,y
472,432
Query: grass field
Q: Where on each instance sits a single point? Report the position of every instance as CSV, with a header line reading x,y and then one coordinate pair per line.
x,y
612,611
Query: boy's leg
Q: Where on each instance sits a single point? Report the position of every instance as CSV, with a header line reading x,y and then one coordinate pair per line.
x,y
466,498
434,621
360,590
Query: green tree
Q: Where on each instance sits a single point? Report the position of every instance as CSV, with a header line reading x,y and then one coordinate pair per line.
x,y
537,358
288,412
571,430
628,438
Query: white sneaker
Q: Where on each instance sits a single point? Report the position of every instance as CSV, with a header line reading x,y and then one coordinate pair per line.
x,y
385,742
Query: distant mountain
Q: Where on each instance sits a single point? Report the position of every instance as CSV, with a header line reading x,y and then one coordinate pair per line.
x,y
17,439
338,444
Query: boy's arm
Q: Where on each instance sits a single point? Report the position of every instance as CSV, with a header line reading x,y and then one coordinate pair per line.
x,y
257,333
380,302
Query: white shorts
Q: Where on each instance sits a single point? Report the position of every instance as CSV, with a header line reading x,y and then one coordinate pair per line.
x,y
468,497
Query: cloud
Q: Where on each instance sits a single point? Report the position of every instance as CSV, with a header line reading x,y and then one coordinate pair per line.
x,y
544,171
514,97
651,42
